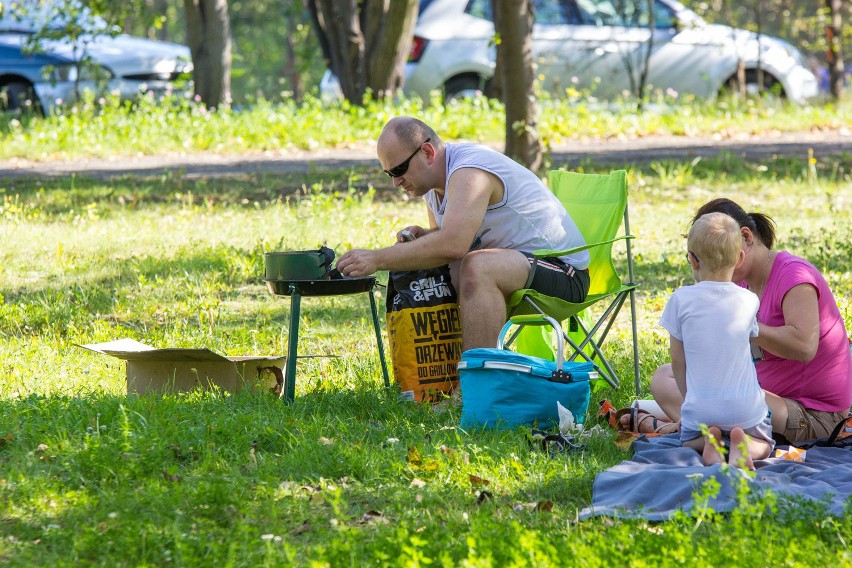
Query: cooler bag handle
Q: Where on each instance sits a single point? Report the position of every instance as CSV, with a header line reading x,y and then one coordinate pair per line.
x,y
559,375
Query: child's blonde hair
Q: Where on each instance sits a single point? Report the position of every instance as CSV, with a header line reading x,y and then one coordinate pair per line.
x,y
715,239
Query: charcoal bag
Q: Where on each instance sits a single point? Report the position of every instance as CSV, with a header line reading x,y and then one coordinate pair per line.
x,y
424,332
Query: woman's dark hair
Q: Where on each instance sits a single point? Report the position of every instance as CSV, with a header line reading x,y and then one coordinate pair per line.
x,y
761,225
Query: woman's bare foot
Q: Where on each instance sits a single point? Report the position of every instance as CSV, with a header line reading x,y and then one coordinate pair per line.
x,y
712,443
647,423
740,456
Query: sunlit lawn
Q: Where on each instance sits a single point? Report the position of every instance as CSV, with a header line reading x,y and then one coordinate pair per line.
x,y
347,474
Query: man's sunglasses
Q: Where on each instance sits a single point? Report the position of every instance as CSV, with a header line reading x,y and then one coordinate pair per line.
x,y
400,169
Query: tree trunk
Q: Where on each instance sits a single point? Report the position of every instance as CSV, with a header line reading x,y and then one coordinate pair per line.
x,y
759,23
497,88
833,53
391,27
515,19
646,59
209,37
290,71
365,42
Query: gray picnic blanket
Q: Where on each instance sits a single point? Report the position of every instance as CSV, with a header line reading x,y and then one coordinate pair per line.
x,y
663,477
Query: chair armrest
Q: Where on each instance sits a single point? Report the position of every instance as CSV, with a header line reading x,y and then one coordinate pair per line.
x,y
546,252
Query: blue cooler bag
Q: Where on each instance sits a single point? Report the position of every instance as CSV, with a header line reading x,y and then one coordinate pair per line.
x,y
504,389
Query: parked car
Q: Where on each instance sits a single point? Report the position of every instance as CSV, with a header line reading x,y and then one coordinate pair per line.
x,y
599,46
101,62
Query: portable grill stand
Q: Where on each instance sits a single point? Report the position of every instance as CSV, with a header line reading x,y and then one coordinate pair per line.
x,y
298,288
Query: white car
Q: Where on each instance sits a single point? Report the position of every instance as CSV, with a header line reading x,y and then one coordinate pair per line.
x,y
54,74
599,46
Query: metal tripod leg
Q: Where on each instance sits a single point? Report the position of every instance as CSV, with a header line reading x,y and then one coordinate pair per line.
x,y
379,338
289,390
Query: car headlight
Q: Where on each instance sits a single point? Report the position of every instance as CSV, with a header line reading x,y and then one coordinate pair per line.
x,y
79,72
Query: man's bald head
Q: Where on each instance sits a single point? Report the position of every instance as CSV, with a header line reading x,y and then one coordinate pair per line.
x,y
407,131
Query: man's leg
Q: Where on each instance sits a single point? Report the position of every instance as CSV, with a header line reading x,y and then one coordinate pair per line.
x,y
487,278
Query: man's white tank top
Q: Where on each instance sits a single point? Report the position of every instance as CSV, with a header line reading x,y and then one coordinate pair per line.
x,y
528,218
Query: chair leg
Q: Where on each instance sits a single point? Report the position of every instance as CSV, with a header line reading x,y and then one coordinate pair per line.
x,y
636,373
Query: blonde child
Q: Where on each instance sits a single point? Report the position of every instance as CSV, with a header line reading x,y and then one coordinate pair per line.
x,y
710,324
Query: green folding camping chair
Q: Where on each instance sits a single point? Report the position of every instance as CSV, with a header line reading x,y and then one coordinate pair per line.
x,y
598,205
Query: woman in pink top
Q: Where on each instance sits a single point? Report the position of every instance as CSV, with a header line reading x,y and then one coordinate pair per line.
x,y
802,350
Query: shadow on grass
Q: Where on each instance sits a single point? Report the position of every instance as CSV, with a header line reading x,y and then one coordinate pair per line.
x,y
182,287
55,196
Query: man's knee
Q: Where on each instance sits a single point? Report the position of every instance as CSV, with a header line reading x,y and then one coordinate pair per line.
x,y
477,261
474,271
503,268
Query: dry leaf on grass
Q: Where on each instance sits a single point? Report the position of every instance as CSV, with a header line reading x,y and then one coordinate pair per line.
x,y
476,480
413,456
372,518
301,529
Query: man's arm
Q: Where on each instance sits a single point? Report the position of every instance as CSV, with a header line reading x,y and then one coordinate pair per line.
x,y
468,195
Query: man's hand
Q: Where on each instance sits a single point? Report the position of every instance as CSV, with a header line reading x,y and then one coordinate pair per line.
x,y
410,233
358,262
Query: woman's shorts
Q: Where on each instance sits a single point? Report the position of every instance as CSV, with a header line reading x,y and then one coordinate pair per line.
x,y
808,424
553,277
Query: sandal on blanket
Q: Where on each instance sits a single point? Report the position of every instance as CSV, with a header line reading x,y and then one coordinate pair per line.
x,y
608,413
637,422
657,425
643,422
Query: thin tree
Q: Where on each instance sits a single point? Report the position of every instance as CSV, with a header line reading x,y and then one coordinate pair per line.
x,y
513,23
365,42
833,53
646,57
208,33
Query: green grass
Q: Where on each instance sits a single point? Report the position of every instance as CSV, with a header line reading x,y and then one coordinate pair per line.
x,y
347,474
179,126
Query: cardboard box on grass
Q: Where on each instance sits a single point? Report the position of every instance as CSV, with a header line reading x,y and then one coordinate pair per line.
x,y
171,370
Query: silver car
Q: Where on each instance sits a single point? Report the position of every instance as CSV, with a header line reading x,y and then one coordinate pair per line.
x,y
599,46
54,75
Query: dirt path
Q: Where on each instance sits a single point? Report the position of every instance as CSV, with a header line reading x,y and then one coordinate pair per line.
x,y
572,153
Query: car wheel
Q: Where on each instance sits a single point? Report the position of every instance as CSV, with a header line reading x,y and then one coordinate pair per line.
x,y
19,97
464,87
771,86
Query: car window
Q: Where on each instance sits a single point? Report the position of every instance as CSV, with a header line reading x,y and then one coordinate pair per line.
x,y
480,9
549,12
28,17
423,5
557,12
626,13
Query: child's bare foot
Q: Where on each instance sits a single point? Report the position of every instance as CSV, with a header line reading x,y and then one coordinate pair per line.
x,y
712,442
740,456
